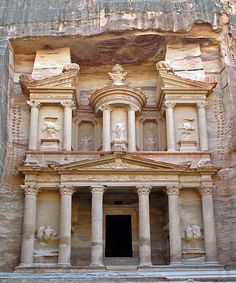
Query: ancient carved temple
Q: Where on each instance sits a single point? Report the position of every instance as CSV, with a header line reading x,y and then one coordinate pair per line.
x,y
119,175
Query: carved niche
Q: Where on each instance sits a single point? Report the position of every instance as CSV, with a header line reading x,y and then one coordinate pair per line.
x,y
150,136
86,136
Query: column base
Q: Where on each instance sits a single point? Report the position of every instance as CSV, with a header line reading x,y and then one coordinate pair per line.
x,y
147,265
176,263
97,266
64,265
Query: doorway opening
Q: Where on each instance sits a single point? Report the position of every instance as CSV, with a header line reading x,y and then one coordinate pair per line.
x,y
118,236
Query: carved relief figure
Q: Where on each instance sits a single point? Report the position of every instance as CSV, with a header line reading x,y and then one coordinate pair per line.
x,y
193,233
151,141
119,130
50,129
85,143
46,234
186,129
117,75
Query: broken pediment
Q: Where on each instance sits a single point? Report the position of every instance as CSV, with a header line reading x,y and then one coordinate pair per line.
x,y
118,162
168,83
67,79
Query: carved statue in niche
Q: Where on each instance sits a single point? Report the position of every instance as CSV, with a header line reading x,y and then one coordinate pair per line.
x,y
50,128
119,130
151,140
193,233
85,143
186,128
46,234
117,75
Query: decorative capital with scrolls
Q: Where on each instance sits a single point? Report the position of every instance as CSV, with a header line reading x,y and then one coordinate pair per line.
x,y
33,103
173,190
143,190
169,104
201,104
66,189
206,189
68,104
30,189
104,107
98,189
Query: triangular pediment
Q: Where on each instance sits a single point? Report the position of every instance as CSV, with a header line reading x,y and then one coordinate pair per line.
x,y
170,80
120,162
67,79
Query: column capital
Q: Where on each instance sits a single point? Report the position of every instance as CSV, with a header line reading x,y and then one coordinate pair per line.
x,y
143,189
206,189
33,103
104,106
173,190
98,189
68,104
66,189
201,104
30,189
133,108
169,104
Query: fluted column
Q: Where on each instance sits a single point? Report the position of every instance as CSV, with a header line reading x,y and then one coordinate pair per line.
x,y
67,135
174,225
97,226
29,223
65,225
34,121
131,129
209,223
201,106
144,226
170,126
106,127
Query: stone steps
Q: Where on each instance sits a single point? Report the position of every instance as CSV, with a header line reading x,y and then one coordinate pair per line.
x,y
122,276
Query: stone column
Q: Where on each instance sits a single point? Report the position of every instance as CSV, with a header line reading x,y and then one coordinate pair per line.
x,y
141,142
174,225
65,225
131,129
209,224
97,226
144,226
106,128
29,223
170,126
202,125
67,135
34,121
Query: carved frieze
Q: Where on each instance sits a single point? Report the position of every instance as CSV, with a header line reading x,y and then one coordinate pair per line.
x,y
46,234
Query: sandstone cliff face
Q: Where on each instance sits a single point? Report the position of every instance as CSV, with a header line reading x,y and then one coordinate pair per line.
x,y
199,33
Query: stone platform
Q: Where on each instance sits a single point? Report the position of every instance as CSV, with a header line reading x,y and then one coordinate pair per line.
x,y
168,275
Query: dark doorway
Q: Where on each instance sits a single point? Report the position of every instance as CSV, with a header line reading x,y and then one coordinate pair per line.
x,y
118,236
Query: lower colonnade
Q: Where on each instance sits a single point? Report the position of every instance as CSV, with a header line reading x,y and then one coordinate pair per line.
x,y
97,231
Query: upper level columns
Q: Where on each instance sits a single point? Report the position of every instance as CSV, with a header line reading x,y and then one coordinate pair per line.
x,y
29,223
144,226
97,226
106,138
170,126
174,225
209,223
201,106
131,129
67,137
65,225
34,120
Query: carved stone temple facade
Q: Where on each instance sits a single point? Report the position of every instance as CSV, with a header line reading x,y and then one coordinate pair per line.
x,y
116,176
117,138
